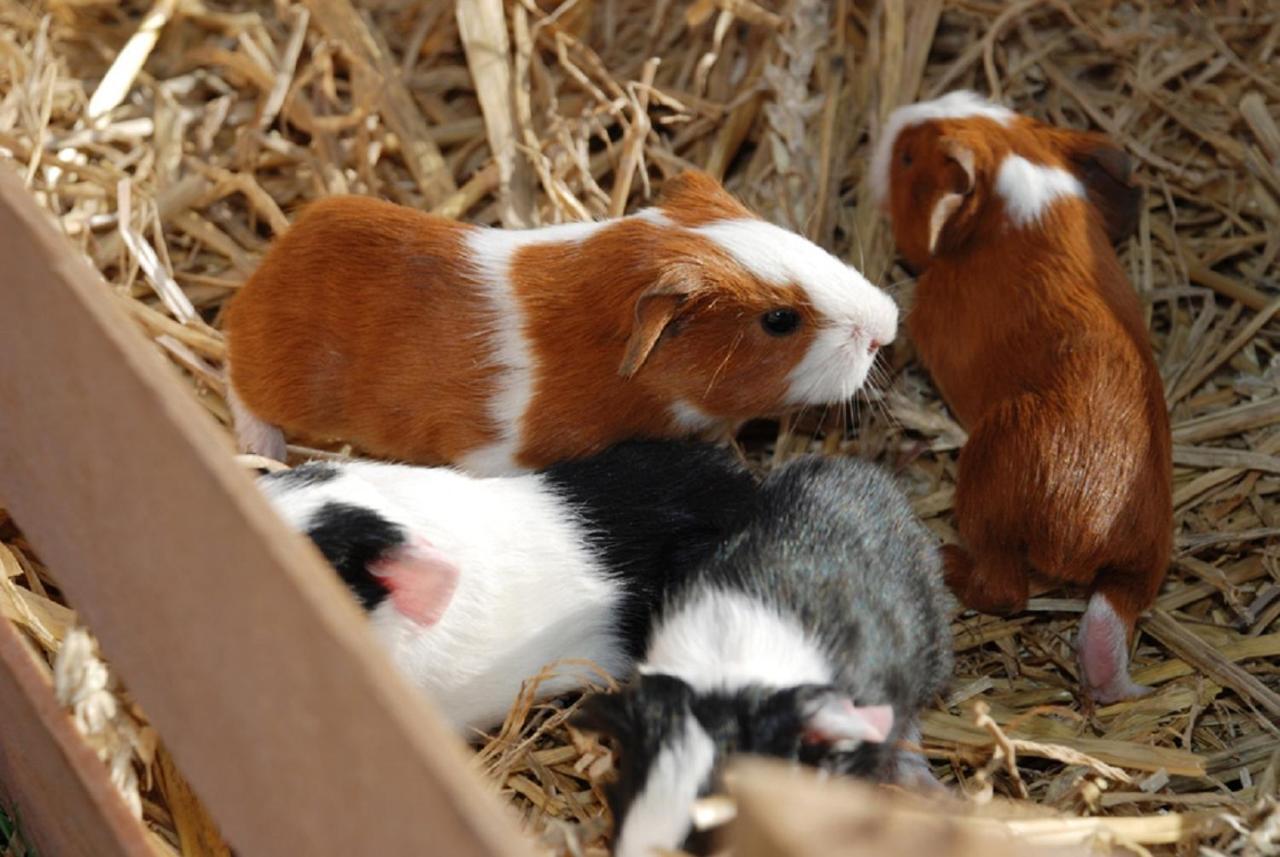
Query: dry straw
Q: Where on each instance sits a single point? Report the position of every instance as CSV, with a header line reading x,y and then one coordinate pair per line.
x,y
173,141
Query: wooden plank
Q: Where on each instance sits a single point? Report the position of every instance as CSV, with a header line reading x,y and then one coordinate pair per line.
x,y
791,812
48,774
244,651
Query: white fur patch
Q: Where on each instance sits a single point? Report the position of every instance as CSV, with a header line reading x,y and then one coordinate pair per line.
x,y
723,640
653,215
960,104
491,252
529,590
690,418
661,815
1028,189
496,459
853,313
780,257
832,370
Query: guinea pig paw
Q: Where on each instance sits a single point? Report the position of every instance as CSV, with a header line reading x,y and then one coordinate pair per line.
x,y
957,567
911,772
996,584
254,435
1121,689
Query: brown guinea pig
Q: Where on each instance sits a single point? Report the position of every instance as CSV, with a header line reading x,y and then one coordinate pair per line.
x,y
431,341
1037,343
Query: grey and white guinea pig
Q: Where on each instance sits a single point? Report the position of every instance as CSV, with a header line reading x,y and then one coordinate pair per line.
x,y
817,633
474,584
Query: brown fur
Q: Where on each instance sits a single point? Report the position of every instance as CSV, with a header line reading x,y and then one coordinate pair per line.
x,y
712,352
1037,343
1104,169
356,287
365,323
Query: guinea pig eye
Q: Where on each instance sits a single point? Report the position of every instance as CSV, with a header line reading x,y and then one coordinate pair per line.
x,y
780,322
906,158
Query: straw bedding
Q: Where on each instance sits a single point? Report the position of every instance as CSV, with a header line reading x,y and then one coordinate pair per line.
x,y
172,141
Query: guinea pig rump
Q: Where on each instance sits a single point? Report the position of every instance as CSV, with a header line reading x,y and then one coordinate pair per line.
x,y
327,335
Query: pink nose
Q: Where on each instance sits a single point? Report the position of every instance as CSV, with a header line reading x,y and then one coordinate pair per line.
x,y
873,347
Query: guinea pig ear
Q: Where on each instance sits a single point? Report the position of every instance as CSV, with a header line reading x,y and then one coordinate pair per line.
x,y
1106,171
420,578
957,186
833,720
656,308
690,183
697,195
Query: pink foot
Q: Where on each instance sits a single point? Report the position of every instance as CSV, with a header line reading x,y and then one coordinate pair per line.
x,y
1102,647
253,434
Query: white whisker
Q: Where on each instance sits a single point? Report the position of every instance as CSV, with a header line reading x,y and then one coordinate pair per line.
x,y
723,363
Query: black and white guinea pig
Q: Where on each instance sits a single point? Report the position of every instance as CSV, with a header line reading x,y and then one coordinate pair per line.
x,y
817,633
474,584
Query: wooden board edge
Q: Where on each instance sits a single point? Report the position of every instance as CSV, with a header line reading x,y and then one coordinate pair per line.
x,y
65,803
242,647
790,811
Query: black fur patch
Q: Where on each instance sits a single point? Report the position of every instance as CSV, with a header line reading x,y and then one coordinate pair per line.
x,y
650,715
311,473
351,538
642,719
656,509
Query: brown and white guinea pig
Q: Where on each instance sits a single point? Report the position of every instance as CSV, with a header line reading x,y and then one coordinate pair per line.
x,y
1037,343
473,585
427,340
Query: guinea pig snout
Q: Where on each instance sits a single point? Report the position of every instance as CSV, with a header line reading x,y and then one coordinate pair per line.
x,y
874,334
878,322
860,340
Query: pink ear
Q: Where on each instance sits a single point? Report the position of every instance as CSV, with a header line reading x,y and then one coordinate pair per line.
x,y
880,719
420,578
837,721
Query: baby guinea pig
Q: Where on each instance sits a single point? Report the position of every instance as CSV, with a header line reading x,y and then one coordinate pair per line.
x,y
817,633
1036,341
427,340
474,584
